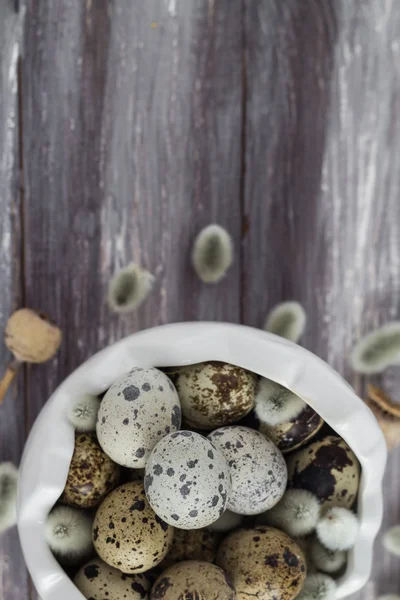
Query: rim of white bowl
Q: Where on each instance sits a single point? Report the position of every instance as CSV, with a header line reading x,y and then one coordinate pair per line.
x,y
49,448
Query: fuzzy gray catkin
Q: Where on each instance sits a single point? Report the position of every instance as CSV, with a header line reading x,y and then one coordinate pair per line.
x,y
8,495
297,513
68,532
82,414
129,288
212,253
326,560
391,540
318,587
275,404
377,350
337,528
288,320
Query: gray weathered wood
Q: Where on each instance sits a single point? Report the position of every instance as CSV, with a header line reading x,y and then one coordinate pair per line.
x,y
289,59
360,190
63,82
132,142
13,576
144,121
322,183
128,151
172,151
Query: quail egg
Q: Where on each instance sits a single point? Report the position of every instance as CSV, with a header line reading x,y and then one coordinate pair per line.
x,y
136,412
213,394
187,480
290,435
92,474
329,469
193,580
258,469
263,563
127,534
192,544
97,580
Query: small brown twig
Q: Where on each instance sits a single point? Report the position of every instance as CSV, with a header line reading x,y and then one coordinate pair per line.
x,y
9,377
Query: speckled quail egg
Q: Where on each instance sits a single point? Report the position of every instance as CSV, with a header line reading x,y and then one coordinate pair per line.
x,y
193,580
262,563
127,534
258,469
329,469
290,435
92,474
192,544
96,580
136,412
213,394
187,480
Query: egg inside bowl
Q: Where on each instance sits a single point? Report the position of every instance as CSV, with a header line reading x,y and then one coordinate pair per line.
x,y
50,446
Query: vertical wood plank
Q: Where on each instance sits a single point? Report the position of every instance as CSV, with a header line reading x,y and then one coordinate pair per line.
x,y
322,183
361,209
131,145
132,120
289,58
172,131
13,576
132,142
63,83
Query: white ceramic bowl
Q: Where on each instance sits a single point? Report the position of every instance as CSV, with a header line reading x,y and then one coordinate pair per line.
x,y
49,449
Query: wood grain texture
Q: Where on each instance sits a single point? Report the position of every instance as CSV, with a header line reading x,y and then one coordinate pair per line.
x,y
63,82
132,142
360,187
13,576
130,146
322,136
289,61
172,132
144,121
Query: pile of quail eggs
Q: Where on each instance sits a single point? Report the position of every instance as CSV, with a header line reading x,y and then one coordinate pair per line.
x,y
204,481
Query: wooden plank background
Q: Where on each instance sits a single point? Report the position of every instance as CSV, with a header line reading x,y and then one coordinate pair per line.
x,y
130,125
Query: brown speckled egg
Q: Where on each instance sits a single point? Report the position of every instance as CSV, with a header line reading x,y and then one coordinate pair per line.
x,y
263,563
193,580
92,474
329,469
213,394
97,580
290,435
127,534
192,544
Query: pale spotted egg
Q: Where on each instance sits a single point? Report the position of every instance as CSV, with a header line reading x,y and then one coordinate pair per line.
x,y
135,413
187,480
258,469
